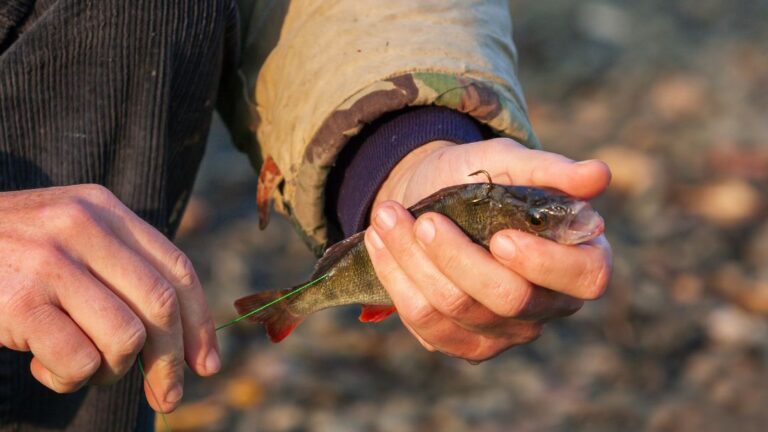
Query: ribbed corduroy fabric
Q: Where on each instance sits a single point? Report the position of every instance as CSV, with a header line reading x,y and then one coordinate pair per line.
x,y
120,93
114,92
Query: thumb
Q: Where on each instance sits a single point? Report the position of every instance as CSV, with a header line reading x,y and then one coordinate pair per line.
x,y
509,162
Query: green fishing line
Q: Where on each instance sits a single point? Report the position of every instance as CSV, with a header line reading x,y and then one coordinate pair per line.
x,y
261,308
151,390
225,325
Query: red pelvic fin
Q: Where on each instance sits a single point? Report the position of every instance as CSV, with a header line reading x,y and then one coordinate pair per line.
x,y
376,313
277,319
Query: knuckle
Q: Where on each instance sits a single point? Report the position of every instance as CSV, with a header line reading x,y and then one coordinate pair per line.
x,y
483,355
457,305
75,213
183,270
535,264
27,304
84,369
484,349
130,340
451,258
537,174
77,218
512,300
96,193
28,312
595,281
164,306
49,261
424,315
532,332
501,144
40,312
63,385
173,362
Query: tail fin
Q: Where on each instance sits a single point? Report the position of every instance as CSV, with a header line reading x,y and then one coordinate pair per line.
x,y
277,319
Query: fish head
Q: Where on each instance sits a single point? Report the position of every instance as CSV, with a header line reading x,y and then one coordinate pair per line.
x,y
554,216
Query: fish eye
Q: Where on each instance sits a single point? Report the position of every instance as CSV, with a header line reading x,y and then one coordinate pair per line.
x,y
537,219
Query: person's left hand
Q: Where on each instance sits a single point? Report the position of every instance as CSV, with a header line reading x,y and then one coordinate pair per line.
x,y
452,294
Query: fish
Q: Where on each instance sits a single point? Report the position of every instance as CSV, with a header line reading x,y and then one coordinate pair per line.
x,y
344,275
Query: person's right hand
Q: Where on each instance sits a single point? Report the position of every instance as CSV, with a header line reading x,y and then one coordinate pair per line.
x,y
86,285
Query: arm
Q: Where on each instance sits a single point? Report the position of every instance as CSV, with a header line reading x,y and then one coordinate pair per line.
x,y
400,54
341,64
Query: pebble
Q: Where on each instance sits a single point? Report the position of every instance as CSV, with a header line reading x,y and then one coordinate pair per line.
x,y
747,291
281,418
679,96
731,326
200,415
727,202
687,288
243,392
634,172
757,248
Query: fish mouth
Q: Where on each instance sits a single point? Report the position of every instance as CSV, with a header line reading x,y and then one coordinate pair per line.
x,y
585,224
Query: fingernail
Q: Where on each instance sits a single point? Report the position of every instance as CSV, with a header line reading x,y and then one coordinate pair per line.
x,y
385,218
425,231
174,395
585,162
212,362
375,239
505,247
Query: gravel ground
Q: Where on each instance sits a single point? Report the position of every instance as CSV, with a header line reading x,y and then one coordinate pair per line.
x,y
674,96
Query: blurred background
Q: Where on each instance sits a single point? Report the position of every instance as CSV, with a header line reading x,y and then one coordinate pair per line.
x,y
673,95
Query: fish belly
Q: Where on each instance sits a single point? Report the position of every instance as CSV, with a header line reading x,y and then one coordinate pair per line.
x,y
352,281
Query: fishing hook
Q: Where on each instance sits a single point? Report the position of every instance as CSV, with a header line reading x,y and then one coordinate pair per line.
x,y
487,187
488,176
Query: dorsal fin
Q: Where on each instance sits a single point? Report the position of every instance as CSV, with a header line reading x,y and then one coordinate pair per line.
x,y
334,253
428,203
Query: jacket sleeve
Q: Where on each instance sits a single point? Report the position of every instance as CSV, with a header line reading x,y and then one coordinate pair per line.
x,y
313,73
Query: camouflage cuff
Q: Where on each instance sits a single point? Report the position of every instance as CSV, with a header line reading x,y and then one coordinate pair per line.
x,y
301,192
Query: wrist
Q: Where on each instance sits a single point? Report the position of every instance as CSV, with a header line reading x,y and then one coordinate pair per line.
x,y
369,158
396,185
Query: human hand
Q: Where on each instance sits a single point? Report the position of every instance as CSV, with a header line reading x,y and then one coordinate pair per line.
x,y
452,294
87,285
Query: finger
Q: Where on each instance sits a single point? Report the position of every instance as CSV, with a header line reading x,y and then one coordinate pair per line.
x,y
428,346
427,324
581,271
64,357
433,330
475,271
394,225
502,157
111,325
154,300
200,344
199,338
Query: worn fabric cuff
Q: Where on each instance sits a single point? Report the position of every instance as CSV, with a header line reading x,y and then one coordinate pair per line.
x,y
373,153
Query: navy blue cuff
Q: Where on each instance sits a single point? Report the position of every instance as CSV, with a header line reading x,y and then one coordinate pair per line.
x,y
373,153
